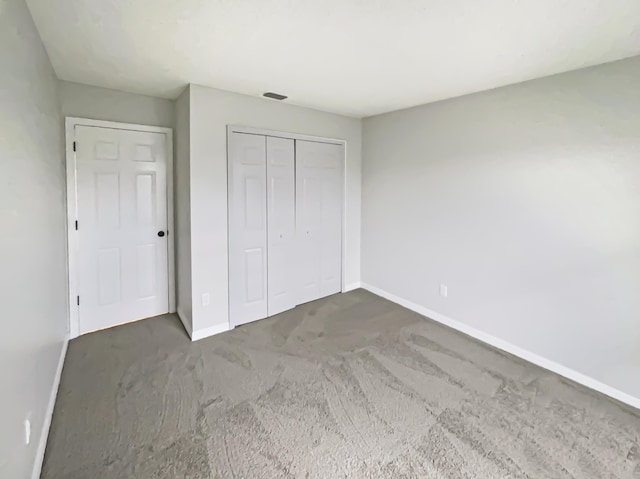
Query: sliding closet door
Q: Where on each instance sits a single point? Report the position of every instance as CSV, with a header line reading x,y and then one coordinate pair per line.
x,y
319,202
281,226
247,228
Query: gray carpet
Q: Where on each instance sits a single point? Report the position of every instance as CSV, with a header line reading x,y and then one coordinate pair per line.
x,y
348,386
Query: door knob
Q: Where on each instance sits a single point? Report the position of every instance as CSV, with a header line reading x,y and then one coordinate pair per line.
x,y
161,233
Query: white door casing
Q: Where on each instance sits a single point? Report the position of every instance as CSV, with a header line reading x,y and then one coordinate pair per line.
x,y
319,205
119,193
247,228
281,225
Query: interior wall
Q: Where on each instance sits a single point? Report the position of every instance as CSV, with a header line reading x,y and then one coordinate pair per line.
x,y
97,103
182,195
525,202
33,275
211,111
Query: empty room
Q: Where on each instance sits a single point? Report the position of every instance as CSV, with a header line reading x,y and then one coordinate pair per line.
x,y
320,239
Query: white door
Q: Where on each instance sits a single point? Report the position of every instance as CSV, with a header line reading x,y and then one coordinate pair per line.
x,y
281,224
247,228
122,226
319,201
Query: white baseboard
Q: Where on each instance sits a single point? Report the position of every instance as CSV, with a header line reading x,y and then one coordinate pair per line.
x,y
211,331
201,333
185,323
351,287
510,348
44,434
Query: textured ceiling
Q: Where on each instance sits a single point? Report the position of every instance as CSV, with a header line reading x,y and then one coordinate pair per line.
x,y
356,57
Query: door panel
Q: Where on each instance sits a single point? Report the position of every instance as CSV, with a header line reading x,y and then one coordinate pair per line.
x,y
145,198
107,200
247,228
109,275
121,195
281,224
319,202
147,270
254,264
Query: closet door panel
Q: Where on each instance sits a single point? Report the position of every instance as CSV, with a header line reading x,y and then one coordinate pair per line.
x,y
281,224
331,234
319,201
248,299
308,229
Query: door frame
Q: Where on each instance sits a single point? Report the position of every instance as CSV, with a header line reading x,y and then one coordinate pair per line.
x,y
248,130
72,234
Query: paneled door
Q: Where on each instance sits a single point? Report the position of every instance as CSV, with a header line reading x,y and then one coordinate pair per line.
x,y
319,203
247,228
122,226
281,224
285,222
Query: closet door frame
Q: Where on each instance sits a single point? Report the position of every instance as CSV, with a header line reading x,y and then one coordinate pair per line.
x,y
295,136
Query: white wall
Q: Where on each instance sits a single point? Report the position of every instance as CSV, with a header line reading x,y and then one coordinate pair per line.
x,y
97,103
33,278
182,195
525,201
211,112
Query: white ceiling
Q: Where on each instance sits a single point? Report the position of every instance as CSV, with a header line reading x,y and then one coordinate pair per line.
x,y
356,57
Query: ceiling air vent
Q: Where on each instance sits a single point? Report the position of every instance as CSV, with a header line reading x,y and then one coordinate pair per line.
x,y
275,96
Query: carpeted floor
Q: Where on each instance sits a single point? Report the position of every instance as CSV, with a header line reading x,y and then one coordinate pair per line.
x,y
348,386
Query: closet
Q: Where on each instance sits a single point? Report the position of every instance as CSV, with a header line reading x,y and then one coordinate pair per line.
x,y
285,223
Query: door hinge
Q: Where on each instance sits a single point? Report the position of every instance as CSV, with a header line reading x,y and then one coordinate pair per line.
x,y
78,300
74,146
76,225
